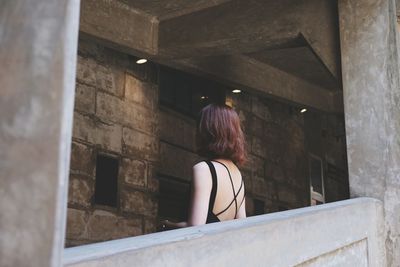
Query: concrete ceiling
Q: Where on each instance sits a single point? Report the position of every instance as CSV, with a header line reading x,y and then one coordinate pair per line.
x,y
300,61
298,40
164,9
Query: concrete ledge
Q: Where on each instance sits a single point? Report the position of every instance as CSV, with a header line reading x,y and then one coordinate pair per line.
x,y
348,231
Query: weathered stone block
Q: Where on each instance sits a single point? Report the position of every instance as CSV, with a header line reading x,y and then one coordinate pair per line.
x,y
113,109
259,186
104,225
85,98
100,75
245,121
175,134
152,181
76,224
140,145
86,70
260,109
272,192
176,162
150,225
133,172
139,203
256,126
183,132
285,194
82,159
269,168
80,191
278,173
254,165
110,79
142,93
110,108
272,133
107,136
258,147
189,138
153,184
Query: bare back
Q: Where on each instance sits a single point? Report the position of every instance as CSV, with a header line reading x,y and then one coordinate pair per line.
x,y
229,201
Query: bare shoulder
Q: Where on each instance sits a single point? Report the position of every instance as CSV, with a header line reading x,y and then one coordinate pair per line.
x,y
202,174
201,166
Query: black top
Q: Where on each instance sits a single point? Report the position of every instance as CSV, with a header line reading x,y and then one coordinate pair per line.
x,y
211,217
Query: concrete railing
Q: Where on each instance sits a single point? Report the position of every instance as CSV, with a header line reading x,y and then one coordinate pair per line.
x,y
346,233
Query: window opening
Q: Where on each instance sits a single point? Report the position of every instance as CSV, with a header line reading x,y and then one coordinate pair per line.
x,y
258,207
106,184
316,180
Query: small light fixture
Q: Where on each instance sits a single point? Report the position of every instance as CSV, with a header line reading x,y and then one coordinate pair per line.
x,y
141,61
203,97
303,110
236,91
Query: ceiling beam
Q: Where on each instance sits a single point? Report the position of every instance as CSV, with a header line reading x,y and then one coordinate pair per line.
x,y
248,73
119,25
239,27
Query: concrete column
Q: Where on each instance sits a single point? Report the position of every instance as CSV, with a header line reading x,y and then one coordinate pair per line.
x,y
38,44
370,61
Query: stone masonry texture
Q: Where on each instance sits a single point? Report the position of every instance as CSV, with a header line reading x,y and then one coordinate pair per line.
x,y
117,113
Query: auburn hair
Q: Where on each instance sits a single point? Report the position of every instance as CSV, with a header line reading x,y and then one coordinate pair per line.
x,y
219,134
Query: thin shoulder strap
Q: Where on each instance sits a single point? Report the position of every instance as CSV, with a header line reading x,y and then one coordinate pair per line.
x,y
233,188
214,185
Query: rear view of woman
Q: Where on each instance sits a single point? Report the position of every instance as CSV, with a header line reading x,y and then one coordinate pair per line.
x,y
217,192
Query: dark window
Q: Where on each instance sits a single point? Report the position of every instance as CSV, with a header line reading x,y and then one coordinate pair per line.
x,y
174,198
258,207
106,181
187,93
316,175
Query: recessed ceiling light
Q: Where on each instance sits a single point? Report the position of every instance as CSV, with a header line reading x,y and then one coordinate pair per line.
x,y
203,97
236,91
303,110
141,61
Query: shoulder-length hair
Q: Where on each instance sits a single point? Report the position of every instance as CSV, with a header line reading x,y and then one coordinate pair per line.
x,y
219,134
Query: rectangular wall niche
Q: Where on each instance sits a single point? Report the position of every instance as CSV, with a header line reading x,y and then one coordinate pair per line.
x,y
258,207
106,181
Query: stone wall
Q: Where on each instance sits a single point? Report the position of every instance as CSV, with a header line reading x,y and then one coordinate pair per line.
x,y
276,172
279,144
117,113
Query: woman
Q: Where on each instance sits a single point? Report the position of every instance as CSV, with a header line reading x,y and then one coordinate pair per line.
x,y
217,187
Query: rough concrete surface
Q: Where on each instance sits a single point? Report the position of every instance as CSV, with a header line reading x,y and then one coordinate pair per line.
x,y
328,235
370,59
38,44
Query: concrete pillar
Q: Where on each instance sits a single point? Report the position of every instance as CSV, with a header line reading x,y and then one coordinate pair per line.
x,y
370,61
38,44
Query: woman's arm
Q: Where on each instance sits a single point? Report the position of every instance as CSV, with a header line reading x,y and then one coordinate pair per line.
x,y
201,190
242,210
